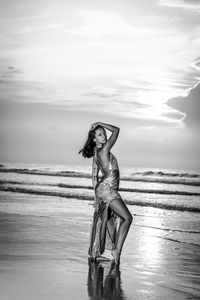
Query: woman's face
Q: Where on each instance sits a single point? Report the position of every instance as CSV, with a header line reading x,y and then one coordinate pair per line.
x,y
100,137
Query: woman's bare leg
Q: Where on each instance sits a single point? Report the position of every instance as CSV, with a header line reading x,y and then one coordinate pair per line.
x,y
120,209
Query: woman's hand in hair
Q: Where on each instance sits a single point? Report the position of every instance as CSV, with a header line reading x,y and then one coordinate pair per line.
x,y
94,125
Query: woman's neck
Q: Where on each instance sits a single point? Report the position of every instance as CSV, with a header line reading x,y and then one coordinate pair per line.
x,y
98,147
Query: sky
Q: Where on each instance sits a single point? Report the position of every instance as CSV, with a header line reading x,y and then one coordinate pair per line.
x,y
67,64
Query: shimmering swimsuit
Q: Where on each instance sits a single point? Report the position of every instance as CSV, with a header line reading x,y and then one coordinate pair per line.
x,y
107,189
105,222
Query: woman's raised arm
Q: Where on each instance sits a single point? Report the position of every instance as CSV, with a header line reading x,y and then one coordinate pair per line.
x,y
111,141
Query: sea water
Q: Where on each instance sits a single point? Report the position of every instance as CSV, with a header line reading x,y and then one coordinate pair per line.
x,y
160,193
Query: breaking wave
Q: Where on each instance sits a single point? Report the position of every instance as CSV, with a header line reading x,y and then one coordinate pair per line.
x,y
79,196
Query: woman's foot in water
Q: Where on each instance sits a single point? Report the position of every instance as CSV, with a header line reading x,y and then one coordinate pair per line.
x,y
98,259
101,258
116,255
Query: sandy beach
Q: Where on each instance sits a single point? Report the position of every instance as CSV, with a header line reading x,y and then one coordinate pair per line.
x,y
44,245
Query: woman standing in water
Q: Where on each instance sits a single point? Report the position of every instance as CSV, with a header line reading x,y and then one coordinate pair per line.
x,y
107,232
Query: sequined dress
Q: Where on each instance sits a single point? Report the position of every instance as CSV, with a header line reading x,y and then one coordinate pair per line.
x,y
105,223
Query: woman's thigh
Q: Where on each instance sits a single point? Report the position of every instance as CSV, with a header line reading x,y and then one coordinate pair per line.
x,y
119,208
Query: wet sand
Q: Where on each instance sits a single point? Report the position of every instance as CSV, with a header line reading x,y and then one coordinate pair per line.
x,y
44,245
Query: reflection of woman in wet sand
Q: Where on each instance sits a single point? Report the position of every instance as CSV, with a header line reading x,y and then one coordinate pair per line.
x,y
106,232
104,282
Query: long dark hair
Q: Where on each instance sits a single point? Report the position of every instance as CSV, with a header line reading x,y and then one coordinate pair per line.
x,y
88,148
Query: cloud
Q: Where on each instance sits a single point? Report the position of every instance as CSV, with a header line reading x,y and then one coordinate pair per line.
x,y
38,29
102,59
8,72
25,18
96,24
176,115
190,106
102,92
100,23
196,64
189,5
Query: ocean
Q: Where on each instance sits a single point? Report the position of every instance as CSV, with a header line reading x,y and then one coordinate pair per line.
x,y
166,192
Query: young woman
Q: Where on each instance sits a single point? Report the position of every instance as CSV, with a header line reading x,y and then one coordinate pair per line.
x,y
112,219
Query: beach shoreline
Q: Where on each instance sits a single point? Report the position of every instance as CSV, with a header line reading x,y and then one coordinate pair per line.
x,y
44,253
